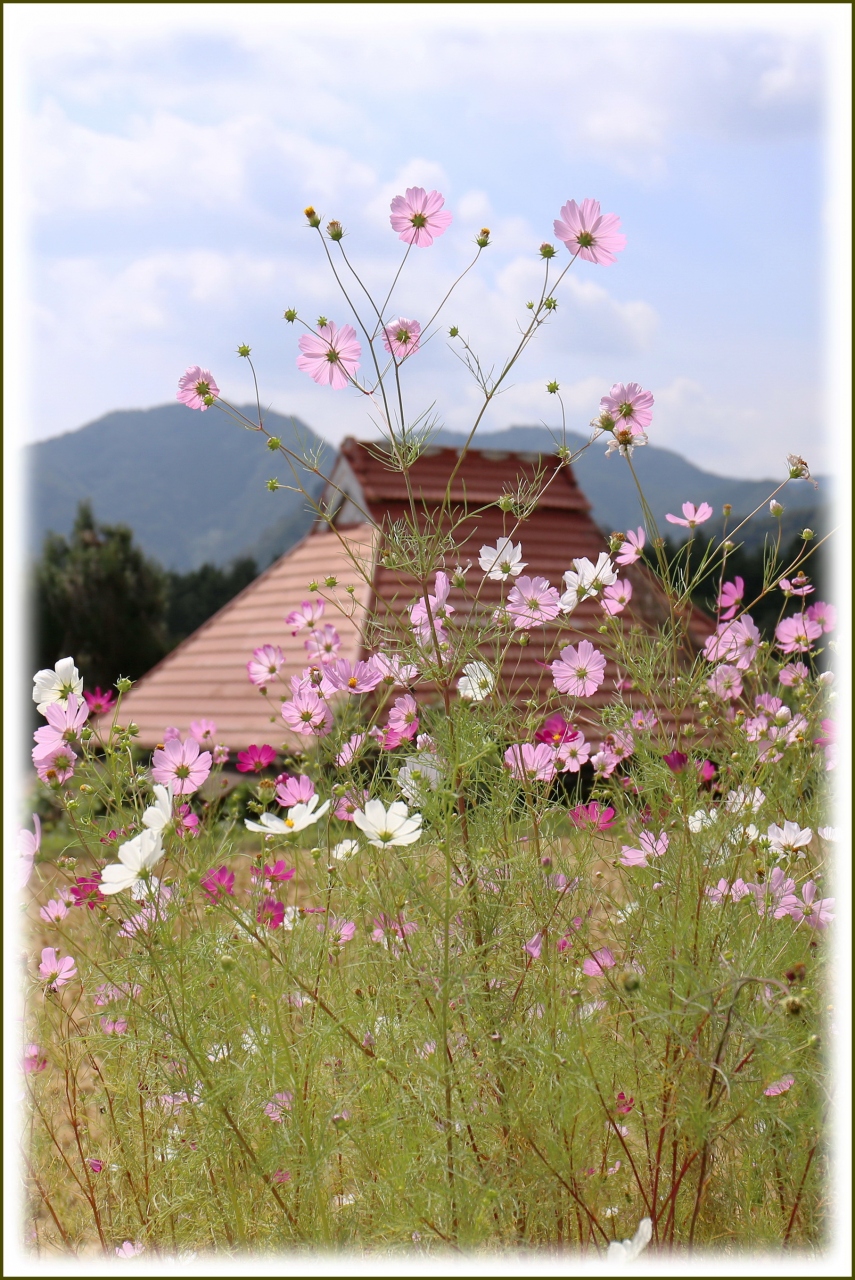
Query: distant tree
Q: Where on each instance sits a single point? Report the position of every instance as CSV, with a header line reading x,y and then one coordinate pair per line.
x,y
97,598
194,597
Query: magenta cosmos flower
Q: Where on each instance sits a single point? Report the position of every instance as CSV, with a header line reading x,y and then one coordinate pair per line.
x,y
402,338
55,972
418,216
194,385
533,764
100,703
580,670
218,882
330,356
265,664
555,730
182,764
592,815
532,601
592,235
255,758
693,515
630,406
796,635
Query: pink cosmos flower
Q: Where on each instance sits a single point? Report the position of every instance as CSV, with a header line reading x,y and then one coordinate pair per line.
x,y
392,669
323,645
793,674
438,601
644,720
182,764
605,762
631,548
418,216
693,515
220,754
100,703
396,927
113,1027
32,1061
343,931
352,678
719,893
330,356
824,614
57,767
86,891
592,815
218,883
725,682
780,1086
617,596
308,615
730,598
194,385
187,822
54,911
281,1175
294,790
350,803
404,717
171,734
280,872
555,730
402,338
265,664
706,770
797,634
28,847
95,1165
130,1249
279,1104
769,894
271,912
106,993
580,670
572,755
735,642
204,731
598,962
63,727
307,714
55,972
651,847
817,912
533,947
532,601
255,758
624,1104
533,764
630,406
350,749
593,236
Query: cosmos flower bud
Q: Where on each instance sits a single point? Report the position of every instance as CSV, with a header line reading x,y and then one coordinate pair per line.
x,y
552,387
290,315
505,503
453,331
807,535
550,304
726,509
630,980
272,484
207,401
244,349
274,443
547,251
335,230
312,217
123,684
484,238
775,509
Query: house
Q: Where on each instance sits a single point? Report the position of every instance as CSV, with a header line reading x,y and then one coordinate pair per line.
x,y
367,497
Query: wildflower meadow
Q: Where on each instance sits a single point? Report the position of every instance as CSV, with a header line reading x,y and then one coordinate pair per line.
x,y
440,966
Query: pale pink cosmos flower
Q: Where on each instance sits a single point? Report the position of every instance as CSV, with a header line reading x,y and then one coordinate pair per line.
x,y
323,645
799,586
204,731
418,216
392,669
330,356
693,516
394,926
307,714
129,1249
817,912
171,734
308,615
58,767
531,602
605,762
651,847
194,385
644,720
401,338
534,764
631,548
33,1061
824,614
769,894
735,642
64,723
730,598
725,682
598,962
352,678
351,803
617,596
28,847
720,893
350,749
265,664
592,235
404,716
630,406
580,670
278,1105
534,945
780,1086
573,754
182,764
797,634
294,790
438,601
54,911
55,972
343,930
114,1026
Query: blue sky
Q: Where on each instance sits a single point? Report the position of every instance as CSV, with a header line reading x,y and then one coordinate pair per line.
x,y
168,151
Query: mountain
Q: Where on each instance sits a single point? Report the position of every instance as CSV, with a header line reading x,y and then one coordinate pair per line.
x,y
191,485
668,480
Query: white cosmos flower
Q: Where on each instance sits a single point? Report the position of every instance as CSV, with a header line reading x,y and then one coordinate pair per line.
x,y
136,857
344,849
419,774
159,815
744,798
586,579
299,816
476,682
502,561
55,686
700,819
789,839
628,1250
392,826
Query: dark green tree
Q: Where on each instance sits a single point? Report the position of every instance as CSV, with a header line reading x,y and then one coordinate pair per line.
x,y
97,598
194,597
